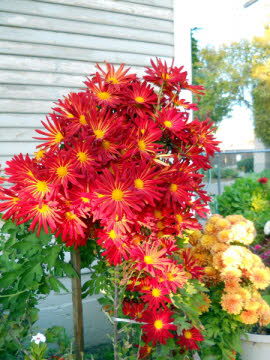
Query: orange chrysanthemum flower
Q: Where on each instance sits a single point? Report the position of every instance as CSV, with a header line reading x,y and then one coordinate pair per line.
x,y
232,303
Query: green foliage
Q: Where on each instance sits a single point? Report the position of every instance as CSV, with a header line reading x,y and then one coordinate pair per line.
x,y
29,268
222,330
246,165
249,198
226,173
261,103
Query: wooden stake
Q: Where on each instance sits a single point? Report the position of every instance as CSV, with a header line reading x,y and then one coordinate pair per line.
x,y
115,327
77,305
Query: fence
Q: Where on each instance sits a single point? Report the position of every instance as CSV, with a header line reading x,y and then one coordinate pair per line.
x,y
232,164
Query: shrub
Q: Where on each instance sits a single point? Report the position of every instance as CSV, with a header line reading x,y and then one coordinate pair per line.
x,y
249,198
247,165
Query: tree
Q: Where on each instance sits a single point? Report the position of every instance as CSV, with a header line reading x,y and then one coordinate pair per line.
x,y
261,89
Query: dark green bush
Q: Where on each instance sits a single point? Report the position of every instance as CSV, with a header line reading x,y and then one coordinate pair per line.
x,y
246,165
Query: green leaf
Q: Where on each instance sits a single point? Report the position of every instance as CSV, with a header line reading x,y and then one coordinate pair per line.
x,y
68,270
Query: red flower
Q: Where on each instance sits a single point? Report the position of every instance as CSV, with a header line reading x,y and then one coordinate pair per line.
x,y
116,77
71,227
158,326
189,339
263,180
104,93
54,136
149,258
103,125
11,204
145,351
156,296
21,170
44,214
190,264
115,196
174,277
171,120
140,98
161,74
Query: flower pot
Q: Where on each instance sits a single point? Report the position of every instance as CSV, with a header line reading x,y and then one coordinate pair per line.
x,y
256,347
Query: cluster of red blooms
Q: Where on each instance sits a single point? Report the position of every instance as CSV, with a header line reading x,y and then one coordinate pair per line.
x,y
121,161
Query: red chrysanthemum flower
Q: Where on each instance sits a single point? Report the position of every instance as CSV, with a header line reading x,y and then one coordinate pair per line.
x,y
62,172
20,170
37,188
103,125
190,338
115,196
10,203
116,77
149,257
171,120
55,135
162,75
105,94
146,183
145,351
83,159
156,296
190,264
71,226
158,326
174,277
140,98
42,214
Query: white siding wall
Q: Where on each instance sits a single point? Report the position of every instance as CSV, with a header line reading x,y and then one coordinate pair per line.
x,y
48,46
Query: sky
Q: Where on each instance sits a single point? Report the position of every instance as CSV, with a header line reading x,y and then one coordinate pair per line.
x,y
222,22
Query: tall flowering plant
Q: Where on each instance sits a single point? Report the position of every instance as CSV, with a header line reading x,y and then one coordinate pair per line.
x,y
119,162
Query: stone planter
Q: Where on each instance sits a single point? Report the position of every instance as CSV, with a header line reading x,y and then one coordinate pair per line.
x,y
256,347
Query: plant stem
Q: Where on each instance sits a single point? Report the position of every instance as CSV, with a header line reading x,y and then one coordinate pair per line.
x,y
115,327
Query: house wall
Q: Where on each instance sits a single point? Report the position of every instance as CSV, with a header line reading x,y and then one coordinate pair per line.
x,y
48,47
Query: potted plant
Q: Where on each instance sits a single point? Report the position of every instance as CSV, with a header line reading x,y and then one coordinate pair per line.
x,y
234,276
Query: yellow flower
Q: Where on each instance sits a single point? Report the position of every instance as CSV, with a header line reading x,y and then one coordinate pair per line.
x,y
232,303
232,256
214,218
194,237
219,247
209,228
258,203
260,277
205,307
252,305
223,224
208,241
232,285
218,261
249,317
234,218
224,236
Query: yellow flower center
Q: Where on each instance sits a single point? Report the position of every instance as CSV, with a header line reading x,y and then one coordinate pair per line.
x,y
106,145
157,214
166,76
139,184
103,95
40,154
62,171
99,134
159,225
149,349
117,195
139,99
15,200
70,216
158,324
141,145
168,123
113,80
82,120
148,259
82,157
112,234
173,187
58,137
170,276
179,218
188,335
41,186
44,209
70,116
85,200
156,292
